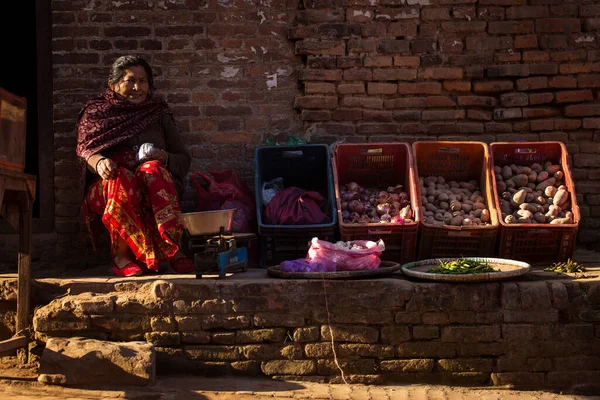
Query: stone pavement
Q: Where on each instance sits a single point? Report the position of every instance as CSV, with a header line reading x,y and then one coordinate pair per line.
x,y
232,388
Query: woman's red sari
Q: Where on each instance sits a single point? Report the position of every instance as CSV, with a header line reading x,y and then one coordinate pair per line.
x,y
140,204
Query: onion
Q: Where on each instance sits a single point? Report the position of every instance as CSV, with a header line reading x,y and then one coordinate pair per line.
x,y
406,213
396,205
373,213
344,205
346,214
394,197
373,200
354,217
356,206
404,203
375,220
383,209
397,220
383,195
394,189
348,196
403,196
386,218
353,187
364,219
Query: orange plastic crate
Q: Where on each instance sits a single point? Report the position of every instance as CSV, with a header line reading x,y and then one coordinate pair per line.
x,y
378,165
458,161
535,243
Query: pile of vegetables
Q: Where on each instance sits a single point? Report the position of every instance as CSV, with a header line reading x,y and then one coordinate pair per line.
x,y
462,266
452,203
568,266
370,205
533,194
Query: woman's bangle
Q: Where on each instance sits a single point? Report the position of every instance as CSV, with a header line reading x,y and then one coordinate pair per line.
x,y
99,161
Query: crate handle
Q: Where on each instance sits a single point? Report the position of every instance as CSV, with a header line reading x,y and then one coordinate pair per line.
x,y
531,150
372,151
459,233
448,150
292,153
379,232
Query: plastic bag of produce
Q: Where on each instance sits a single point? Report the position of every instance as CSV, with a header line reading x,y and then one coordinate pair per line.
x,y
301,265
354,255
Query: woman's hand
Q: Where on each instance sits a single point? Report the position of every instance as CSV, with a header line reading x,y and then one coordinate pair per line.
x,y
157,154
106,168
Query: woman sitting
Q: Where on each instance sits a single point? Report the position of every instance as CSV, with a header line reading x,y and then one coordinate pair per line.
x,y
135,192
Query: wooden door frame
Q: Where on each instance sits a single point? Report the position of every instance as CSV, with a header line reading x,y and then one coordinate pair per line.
x,y
45,222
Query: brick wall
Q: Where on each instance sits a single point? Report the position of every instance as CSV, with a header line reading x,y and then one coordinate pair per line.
x,y
355,70
526,334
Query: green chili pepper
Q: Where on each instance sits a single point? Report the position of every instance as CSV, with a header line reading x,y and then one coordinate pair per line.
x,y
462,266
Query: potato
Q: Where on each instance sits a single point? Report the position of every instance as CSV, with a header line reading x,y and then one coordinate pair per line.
x,y
539,217
542,176
532,177
519,180
545,184
497,169
561,221
552,169
560,197
550,191
485,215
507,172
559,175
519,197
537,167
510,219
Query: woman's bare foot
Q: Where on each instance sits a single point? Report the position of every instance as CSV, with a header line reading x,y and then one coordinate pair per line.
x,y
123,255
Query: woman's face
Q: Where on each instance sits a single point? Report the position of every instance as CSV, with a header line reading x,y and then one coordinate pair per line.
x,y
134,85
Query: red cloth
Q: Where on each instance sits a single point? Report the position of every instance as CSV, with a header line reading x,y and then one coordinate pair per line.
x,y
295,206
110,119
139,205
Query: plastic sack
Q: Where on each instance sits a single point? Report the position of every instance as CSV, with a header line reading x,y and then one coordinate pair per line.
x,y
301,265
223,191
270,189
295,206
144,150
349,256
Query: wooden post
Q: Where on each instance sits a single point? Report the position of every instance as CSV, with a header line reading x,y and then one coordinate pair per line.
x,y
24,293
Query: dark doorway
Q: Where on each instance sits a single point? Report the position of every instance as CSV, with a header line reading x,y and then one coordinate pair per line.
x,y
25,27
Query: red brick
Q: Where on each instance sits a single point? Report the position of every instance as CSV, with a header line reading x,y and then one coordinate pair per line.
x,y
536,83
326,62
302,32
539,112
490,13
376,29
542,125
451,45
553,42
568,69
574,96
567,124
507,58
358,74
406,61
543,69
592,24
571,55
367,129
312,102
526,42
527,12
457,86
320,75
323,15
482,43
564,10
495,71
480,115
470,60
420,88
442,115
507,113
407,115
562,82
503,3
319,88
469,127
540,98
359,15
441,128
349,62
423,46
403,29
464,26
514,99
351,88
394,74
443,73
343,114
440,101
492,86
476,101
365,102
362,46
589,10
377,61
591,123
498,127
377,115
535,56
374,88
557,25
315,115
591,81
510,27
320,47
468,13
406,102
385,46
432,14
582,110
336,128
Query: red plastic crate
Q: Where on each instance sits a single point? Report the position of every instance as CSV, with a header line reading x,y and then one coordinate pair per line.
x,y
459,161
535,243
378,165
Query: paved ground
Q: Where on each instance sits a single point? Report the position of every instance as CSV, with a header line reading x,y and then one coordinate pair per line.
x,y
199,388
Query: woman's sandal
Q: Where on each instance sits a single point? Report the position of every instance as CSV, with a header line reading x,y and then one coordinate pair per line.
x,y
182,265
131,269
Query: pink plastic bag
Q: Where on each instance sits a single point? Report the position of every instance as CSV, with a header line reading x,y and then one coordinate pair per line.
x,y
349,256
